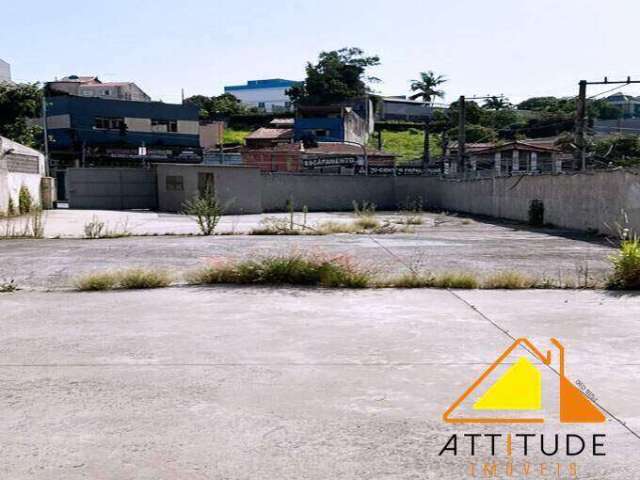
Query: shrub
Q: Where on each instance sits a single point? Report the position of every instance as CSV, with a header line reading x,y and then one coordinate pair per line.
x,y
337,272
509,280
626,266
96,282
25,200
206,209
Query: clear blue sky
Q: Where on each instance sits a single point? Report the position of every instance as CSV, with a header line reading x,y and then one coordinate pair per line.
x,y
520,48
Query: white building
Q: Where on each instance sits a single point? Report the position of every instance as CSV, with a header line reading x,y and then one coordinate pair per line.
x,y
19,166
265,95
93,87
5,71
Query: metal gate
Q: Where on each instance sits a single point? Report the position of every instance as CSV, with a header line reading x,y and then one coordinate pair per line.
x,y
112,188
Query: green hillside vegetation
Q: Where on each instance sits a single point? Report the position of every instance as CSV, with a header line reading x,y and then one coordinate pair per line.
x,y
407,144
235,136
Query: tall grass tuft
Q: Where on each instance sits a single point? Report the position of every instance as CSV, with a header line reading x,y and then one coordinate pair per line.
x,y
336,272
509,280
138,278
94,282
626,266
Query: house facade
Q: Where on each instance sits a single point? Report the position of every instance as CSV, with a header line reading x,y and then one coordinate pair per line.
x,y
629,105
265,95
92,87
75,121
5,71
401,108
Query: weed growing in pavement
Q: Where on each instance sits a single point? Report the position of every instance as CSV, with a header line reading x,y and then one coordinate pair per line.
x,y
509,280
135,278
94,282
94,228
30,225
206,209
8,287
626,266
334,272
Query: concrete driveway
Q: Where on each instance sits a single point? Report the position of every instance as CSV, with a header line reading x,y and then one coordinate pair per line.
x,y
259,383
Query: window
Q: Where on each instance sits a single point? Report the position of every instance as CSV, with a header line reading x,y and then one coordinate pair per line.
x,y
108,123
174,183
262,105
170,126
107,93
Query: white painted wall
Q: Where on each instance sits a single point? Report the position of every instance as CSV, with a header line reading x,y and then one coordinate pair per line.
x,y
269,96
10,182
5,71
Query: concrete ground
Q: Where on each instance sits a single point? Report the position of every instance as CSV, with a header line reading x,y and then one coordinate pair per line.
x,y
441,243
258,383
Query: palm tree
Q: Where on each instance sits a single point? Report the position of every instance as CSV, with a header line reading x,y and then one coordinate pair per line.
x,y
427,90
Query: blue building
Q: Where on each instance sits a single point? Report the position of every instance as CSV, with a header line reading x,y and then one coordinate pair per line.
x,y
335,123
265,95
75,122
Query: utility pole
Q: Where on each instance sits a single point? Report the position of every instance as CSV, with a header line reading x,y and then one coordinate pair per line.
x,y
45,132
580,161
462,137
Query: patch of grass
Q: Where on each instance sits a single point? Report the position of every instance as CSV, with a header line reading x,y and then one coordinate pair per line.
x,y
411,280
509,280
456,280
367,222
626,266
335,272
94,282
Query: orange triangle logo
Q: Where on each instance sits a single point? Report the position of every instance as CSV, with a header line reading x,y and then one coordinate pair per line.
x,y
519,389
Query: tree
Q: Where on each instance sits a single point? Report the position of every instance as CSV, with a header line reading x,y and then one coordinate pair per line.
x,y
427,90
221,106
496,103
18,103
339,75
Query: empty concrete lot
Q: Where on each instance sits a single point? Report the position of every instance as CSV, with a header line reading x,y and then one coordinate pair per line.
x,y
257,383
442,243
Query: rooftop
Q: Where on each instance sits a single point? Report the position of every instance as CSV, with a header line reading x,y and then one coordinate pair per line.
x,y
267,83
271,134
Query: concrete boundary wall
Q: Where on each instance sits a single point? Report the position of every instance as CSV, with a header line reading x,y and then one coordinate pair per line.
x,y
585,201
326,192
